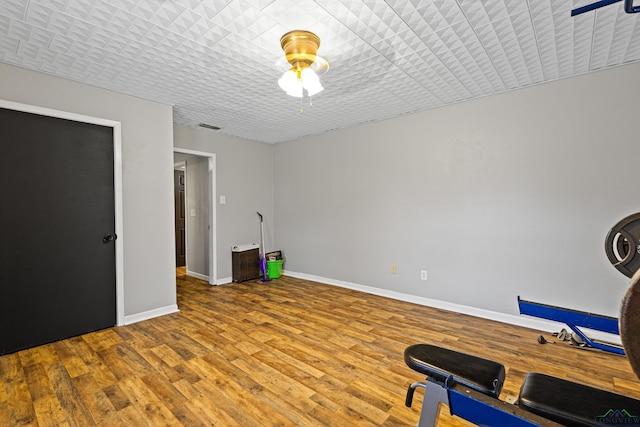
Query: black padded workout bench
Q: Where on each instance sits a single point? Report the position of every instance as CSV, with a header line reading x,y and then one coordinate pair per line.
x,y
471,385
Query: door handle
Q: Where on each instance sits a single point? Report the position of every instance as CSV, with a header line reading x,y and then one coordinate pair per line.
x,y
109,237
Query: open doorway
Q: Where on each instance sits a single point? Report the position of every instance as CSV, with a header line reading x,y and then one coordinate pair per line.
x,y
199,212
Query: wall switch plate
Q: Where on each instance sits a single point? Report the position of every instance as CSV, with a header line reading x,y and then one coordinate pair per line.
x,y
223,200
423,274
192,212
393,269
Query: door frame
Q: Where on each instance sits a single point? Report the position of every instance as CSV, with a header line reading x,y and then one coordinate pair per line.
x,y
213,264
117,183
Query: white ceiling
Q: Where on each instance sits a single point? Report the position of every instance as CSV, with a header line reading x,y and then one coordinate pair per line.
x,y
218,61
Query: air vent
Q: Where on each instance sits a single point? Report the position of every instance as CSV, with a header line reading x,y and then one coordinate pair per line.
x,y
212,127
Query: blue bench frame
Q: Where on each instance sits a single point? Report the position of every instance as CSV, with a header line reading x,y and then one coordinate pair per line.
x,y
473,406
575,319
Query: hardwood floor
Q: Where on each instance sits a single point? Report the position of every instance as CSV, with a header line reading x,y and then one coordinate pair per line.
x,y
285,353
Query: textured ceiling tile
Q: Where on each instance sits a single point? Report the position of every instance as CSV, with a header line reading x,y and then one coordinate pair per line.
x,y
499,10
39,15
60,23
348,50
435,43
399,45
80,9
449,38
102,14
576,51
8,44
61,43
130,5
58,5
633,48
208,9
16,9
80,30
525,36
550,36
94,54
119,22
285,17
5,22
146,11
494,48
406,11
603,37
19,30
441,14
219,61
577,3
138,28
10,56
475,12
467,85
510,44
428,78
623,38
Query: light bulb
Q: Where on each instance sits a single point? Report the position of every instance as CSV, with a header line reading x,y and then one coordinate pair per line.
x,y
289,83
314,89
311,81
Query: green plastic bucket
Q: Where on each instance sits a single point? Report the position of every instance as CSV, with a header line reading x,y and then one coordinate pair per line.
x,y
274,268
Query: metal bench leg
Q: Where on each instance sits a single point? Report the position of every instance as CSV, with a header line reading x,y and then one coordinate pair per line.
x,y
434,394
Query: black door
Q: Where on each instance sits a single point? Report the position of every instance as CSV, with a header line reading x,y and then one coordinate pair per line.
x,y
57,269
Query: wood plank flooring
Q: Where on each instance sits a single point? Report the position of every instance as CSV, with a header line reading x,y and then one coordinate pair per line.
x,y
286,353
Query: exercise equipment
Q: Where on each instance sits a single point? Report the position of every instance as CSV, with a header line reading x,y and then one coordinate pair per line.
x,y
622,245
630,322
576,320
471,385
543,340
628,6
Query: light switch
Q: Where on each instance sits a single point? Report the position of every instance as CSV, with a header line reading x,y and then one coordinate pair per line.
x,y
223,199
192,212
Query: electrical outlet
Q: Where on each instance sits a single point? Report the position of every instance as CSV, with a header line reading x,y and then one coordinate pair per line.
x,y
393,269
423,274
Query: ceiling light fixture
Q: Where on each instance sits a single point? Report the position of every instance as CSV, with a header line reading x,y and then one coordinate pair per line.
x,y
300,49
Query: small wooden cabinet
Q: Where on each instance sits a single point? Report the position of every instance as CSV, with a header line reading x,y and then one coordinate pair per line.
x,y
245,262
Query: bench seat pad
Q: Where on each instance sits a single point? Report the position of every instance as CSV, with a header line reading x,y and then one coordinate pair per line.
x,y
437,363
574,404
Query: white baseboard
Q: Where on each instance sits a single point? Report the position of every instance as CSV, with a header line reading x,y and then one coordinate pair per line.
x,y
222,281
145,315
524,321
197,275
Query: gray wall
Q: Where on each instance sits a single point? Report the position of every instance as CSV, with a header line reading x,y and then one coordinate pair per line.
x,y
502,196
197,201
244,174
147,165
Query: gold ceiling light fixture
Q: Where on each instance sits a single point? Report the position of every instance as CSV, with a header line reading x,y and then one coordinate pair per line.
x,y
300,49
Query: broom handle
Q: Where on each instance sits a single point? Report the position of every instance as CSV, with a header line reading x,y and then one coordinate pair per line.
x,y
262,251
